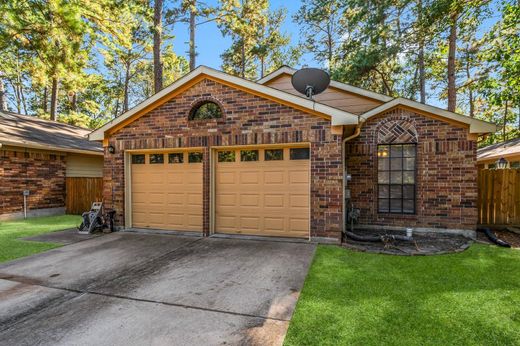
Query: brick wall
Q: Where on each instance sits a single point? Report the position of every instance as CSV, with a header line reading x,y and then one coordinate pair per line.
x,y
40,172
446,171
247,119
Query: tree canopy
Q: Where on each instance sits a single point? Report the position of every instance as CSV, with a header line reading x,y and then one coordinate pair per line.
x,y
87,61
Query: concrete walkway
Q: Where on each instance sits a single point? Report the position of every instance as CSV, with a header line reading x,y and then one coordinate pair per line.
x,y
149,289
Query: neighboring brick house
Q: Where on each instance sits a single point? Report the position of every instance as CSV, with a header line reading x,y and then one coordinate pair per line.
x,y
214,153
39,156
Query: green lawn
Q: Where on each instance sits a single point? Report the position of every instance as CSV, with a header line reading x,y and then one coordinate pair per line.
x,y
11,247
352,298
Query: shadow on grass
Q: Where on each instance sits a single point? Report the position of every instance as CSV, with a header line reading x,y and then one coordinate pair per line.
x,y
357,298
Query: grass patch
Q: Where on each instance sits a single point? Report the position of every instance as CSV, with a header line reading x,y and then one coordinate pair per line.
x,y
354,298
11,247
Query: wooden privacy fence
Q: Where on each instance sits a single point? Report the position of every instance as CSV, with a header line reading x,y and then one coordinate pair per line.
x,y
81,192
499,196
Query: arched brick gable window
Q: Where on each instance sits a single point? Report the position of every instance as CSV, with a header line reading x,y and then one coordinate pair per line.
x,y
205,109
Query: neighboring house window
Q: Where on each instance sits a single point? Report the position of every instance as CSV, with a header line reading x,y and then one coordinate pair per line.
x,y
205,110
396,178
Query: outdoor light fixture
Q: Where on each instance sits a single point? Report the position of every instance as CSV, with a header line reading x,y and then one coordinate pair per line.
x,y
501,163
111,149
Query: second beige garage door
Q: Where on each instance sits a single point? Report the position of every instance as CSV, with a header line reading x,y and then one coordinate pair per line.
x,y
263,192
167,191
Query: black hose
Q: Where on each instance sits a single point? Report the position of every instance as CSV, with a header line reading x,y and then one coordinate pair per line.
x,y
491,236
376,238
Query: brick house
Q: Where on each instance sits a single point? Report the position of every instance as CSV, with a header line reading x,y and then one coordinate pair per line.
x,y
214,153
41,156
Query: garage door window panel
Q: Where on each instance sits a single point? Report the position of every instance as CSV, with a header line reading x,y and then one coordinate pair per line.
x,y
226,156
249,155
174,158
273,155
138,159
299,153
156,158
195,157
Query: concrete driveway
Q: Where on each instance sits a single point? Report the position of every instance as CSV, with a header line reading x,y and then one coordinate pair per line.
x,y
150,289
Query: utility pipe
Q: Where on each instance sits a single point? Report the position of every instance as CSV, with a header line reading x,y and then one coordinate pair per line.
x,y
356,133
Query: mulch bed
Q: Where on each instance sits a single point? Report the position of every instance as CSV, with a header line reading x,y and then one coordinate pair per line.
x,y
510,237
423,244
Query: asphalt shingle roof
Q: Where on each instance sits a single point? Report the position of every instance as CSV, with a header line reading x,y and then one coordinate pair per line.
x,y
29,131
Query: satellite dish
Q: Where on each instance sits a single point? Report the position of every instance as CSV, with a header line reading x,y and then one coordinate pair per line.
x,y
310,81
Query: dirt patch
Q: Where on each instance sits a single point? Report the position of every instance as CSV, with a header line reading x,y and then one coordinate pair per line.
x,y
421,245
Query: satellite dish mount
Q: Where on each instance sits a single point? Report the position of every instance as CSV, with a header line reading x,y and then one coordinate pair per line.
x,y
310,81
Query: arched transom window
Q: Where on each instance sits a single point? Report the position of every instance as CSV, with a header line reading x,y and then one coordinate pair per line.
x,y
205,110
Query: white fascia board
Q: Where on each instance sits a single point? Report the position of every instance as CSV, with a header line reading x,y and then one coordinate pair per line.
x,y
475,125
338,116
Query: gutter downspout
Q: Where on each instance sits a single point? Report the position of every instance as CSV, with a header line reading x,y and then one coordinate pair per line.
x,y
356,133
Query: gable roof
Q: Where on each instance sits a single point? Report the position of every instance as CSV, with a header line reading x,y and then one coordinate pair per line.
x,y
496,151
337,116
32,132
475,125
338,85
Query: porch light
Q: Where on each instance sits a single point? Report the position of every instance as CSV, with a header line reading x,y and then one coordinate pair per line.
x,y
501,163
111,149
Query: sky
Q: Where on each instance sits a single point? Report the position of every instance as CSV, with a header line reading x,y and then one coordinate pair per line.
x,y
210,42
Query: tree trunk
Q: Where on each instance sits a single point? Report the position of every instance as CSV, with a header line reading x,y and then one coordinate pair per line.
x,y
193,15
54,97
262,67
471,101
452,49
422,73
243,56
157,40
125,90
44,101
504,132
3,96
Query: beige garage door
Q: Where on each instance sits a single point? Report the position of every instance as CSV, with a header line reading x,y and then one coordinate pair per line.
x,y
263,192
167,191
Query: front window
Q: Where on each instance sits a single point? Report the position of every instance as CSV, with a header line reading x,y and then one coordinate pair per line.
x,y
396,178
